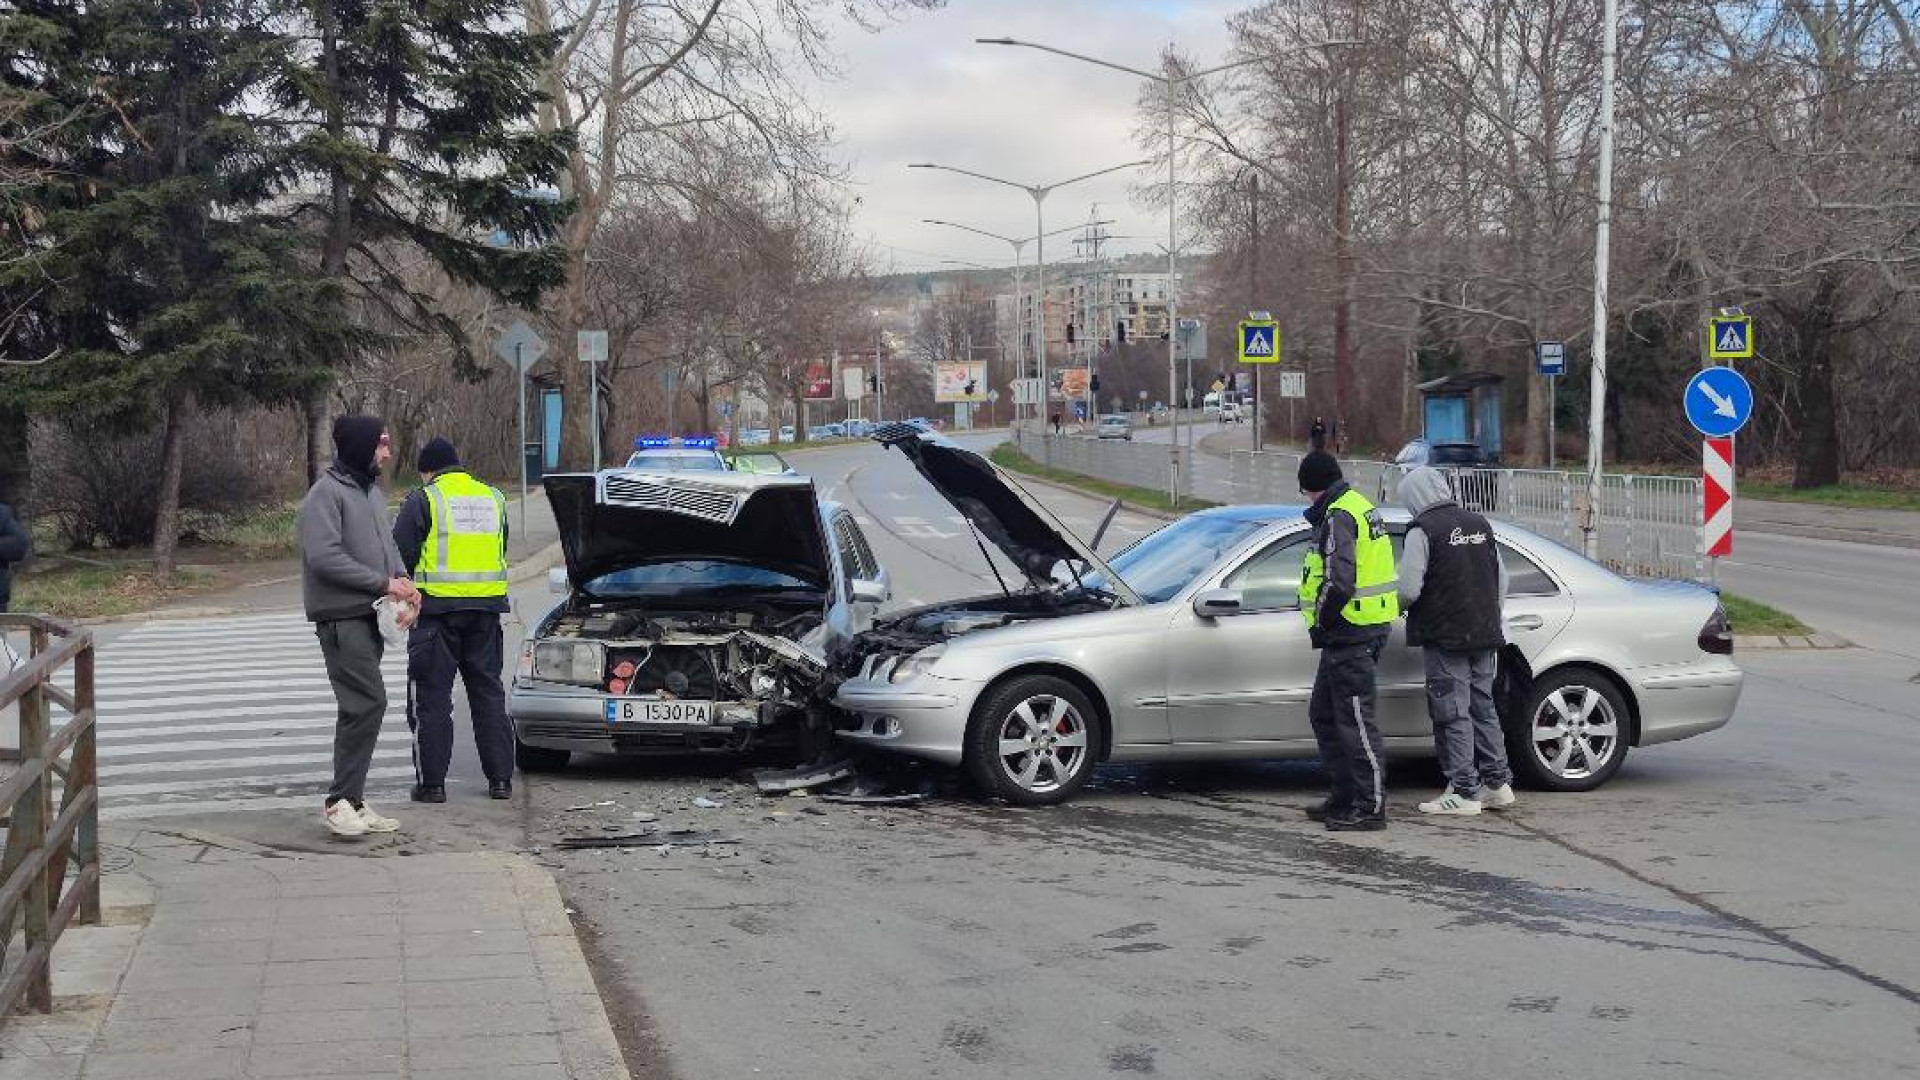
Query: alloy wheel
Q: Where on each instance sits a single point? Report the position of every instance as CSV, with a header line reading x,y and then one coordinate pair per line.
x,y
1575,732
1043,743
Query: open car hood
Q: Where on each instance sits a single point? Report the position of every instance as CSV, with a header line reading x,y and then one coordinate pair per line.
x,y
1005,514
622,518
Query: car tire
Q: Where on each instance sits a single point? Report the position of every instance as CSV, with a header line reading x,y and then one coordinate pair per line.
x,y
1571,734
537,759
1048,715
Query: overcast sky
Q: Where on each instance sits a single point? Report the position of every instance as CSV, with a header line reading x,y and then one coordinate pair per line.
x,y
921,90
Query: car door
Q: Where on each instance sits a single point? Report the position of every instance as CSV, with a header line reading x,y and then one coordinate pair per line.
x,y
1246,677
1537,607
1400,676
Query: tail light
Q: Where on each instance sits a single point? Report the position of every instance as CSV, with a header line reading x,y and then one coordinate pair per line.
x,y
1717,636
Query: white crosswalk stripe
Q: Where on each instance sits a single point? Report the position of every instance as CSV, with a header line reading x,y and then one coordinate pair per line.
x,y
230,715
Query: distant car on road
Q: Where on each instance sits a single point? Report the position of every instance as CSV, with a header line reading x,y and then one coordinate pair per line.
x,y
1231,411
676,455
786,433
1116,426
1189,645
1475,480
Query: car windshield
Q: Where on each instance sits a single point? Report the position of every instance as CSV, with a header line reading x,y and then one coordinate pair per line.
x,y
1113,421
1158,566
671,461
691,576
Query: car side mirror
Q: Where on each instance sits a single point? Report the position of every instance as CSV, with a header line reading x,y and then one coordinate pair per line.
x,y
1217,603
557,583
871,592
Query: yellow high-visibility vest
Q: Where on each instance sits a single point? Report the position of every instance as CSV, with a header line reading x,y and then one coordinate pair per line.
x,y
1376,597
465,552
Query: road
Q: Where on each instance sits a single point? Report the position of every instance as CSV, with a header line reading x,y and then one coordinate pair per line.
x,y
1736,905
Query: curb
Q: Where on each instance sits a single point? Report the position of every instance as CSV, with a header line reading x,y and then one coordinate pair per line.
x,y
1816,640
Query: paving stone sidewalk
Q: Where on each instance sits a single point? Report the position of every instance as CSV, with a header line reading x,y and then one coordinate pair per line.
x,y
223,961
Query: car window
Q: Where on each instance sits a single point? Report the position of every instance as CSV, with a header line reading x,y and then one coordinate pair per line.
x,y
1160,565
1271,579
869,566
1524,576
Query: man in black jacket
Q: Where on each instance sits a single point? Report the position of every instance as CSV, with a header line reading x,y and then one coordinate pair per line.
x,y
15,546
1452,582
463,584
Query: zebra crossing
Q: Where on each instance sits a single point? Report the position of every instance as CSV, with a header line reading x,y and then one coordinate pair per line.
x,y
230,714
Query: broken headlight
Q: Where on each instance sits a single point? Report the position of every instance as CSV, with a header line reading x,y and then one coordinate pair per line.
x,y
918,664
580,662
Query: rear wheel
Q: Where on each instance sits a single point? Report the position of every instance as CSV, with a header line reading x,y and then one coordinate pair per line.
x,y
535,759
1572,733
1034,740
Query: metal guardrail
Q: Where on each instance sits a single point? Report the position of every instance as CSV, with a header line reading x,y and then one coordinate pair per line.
x,y
35,892
1649,525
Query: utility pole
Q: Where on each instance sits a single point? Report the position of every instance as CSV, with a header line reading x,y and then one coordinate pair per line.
x,y
1597,385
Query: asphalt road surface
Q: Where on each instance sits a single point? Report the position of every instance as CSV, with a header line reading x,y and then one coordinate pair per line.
x,y
1736,905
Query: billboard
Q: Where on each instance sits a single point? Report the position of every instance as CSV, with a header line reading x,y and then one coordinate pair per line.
x,y
959,382
820,381
1074,382
853,383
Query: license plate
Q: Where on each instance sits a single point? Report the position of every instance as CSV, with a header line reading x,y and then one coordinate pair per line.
x,y
624,711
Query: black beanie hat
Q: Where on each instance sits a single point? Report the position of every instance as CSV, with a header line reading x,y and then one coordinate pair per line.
x,y
355,441
437,456
1319,471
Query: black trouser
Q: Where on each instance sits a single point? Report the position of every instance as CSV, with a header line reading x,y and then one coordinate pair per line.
x,y
442,645
352,649
1342,715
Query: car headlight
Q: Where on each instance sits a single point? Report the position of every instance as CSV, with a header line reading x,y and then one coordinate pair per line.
x,y
583,663
918,664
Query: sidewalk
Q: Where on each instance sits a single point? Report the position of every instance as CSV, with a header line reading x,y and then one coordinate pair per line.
x,y
220,960
530,550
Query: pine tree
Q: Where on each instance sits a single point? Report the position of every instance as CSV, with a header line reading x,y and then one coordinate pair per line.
x,y
148,263
416,134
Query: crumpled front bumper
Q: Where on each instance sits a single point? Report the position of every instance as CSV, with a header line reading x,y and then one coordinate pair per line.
x,y
924,717
576,720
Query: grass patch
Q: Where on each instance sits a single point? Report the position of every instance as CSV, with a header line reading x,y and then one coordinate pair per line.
x,y
262,532
1754,617
1009,457
1852,495
93,592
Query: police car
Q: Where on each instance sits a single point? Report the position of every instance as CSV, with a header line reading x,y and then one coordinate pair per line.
x,y
660,454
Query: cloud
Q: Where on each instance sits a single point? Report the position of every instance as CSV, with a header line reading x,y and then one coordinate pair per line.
x,y
922,90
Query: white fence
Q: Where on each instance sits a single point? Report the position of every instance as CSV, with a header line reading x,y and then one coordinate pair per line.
x,y
1649,525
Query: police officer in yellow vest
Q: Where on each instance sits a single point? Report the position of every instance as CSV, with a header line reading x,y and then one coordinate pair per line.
x,y
453,534
1349,597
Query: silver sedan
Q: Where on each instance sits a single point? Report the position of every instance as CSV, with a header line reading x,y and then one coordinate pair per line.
x,y
1189,645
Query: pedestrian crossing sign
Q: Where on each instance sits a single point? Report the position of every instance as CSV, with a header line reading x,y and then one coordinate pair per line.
x,y
1259,341
1730,337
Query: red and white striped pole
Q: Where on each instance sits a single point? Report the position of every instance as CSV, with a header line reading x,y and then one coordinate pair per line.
x,y
1716,503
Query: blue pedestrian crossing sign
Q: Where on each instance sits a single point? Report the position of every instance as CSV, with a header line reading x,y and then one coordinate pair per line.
x,y
1730,337
1719,402
1259,341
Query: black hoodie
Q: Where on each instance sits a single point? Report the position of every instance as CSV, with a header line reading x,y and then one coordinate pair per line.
x,y
356,439
15,546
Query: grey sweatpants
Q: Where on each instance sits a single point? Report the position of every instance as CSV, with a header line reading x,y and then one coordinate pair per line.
x,y
353,649
1466,726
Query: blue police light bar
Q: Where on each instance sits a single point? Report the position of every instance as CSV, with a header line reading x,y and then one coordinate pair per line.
x,y
651,442
703,443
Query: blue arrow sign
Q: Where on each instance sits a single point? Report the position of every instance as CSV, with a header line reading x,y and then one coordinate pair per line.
x,y
1718,402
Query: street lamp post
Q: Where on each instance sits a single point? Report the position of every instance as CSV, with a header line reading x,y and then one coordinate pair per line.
x,y
1172,84
1597,380
1039,192
1019,286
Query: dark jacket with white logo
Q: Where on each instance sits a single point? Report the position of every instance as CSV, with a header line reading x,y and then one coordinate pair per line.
x,y
1452,580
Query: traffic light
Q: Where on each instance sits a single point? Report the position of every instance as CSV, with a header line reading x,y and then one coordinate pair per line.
x,y
873,383
1094,385
1069,333
1120,332
972,387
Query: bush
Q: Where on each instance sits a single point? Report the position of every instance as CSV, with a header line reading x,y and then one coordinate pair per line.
x,y
102,488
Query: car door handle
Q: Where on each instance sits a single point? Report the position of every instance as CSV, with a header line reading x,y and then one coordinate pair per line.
x,y
1526,622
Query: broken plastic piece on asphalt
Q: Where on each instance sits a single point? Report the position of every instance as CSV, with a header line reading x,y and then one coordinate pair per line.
x,y
651,838
589,806
856,798
774,781
705,803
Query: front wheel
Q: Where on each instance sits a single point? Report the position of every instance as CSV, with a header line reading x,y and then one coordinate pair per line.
x,y
1033,741
1572,734
534,759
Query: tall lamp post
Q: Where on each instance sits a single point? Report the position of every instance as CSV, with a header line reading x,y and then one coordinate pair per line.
x,y
1172,84
1602,235
1039,193
1019,288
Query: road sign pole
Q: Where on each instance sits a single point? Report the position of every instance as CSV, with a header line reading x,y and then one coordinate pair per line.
x,y
1553,420
521,382
593,396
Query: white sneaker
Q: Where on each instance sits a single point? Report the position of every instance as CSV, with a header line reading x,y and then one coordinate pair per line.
x,y
343,820
1497,798
374,822
1451,803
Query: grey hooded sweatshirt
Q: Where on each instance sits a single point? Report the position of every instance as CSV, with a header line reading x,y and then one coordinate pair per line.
x,y
1421,490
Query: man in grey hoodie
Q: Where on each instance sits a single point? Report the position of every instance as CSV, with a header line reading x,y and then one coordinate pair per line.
x,y
1452,582
348,561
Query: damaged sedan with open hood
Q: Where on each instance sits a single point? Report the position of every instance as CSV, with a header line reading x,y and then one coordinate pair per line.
x,y
700,612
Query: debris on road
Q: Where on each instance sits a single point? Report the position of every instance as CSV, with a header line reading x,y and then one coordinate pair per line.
x,y
653,838
776,781
705,803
